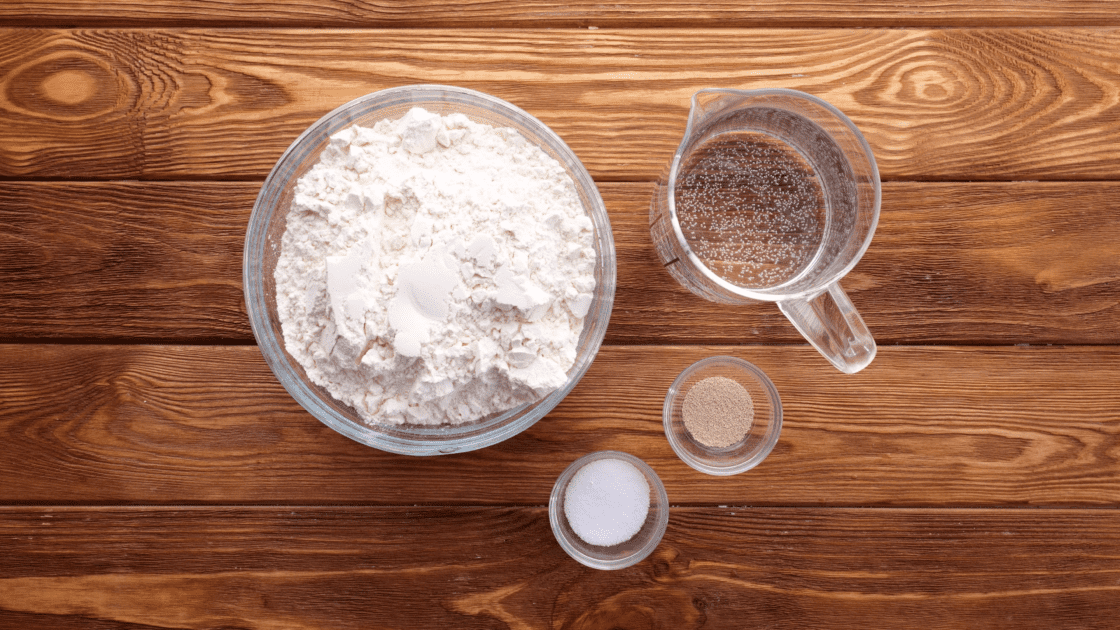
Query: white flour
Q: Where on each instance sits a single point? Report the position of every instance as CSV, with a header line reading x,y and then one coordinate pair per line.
x,y
435,270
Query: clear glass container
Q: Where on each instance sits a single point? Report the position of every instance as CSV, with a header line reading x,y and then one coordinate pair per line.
x,y
773,195
623,554
269,220
759,439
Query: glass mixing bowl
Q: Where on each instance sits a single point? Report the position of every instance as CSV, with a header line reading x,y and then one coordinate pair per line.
x,y
269,220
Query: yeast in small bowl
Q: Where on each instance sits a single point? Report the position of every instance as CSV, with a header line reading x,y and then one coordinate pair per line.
x,y
741,452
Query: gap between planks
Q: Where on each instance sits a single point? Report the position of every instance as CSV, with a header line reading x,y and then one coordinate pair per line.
x,y
634,14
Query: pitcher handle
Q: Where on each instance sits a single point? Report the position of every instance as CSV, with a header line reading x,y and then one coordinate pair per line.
x,y
834,327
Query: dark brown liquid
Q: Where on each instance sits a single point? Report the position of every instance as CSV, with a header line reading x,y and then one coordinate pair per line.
x,y
751,207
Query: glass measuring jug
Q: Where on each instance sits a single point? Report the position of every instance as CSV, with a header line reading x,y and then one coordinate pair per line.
x,y
773,195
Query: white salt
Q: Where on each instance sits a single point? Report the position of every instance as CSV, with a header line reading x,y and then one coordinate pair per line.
x,y
606,502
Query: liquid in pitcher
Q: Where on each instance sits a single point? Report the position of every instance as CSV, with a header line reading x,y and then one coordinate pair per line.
x,y
752,207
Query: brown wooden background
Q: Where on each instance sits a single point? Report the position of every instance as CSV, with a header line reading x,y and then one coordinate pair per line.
x,y
154,474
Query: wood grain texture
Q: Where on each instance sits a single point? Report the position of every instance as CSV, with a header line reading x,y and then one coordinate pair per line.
x,y
635,13
310,568
123,260
919,427
950,263
996,104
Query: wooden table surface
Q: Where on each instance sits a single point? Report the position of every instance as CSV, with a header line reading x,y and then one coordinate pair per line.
x,y
154,474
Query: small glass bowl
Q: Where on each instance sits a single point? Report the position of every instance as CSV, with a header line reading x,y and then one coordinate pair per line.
x,y
269,220
760,438
623,554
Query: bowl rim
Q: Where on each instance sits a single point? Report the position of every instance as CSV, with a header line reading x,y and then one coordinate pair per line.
x,y
272,347
556,498
735,466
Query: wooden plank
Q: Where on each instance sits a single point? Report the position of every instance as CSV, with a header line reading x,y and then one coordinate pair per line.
x,y
950,263
635,13
996,104
124,260
308,568
964,426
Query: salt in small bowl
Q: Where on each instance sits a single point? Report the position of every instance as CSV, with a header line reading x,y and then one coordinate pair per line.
x,y
623,554
759,439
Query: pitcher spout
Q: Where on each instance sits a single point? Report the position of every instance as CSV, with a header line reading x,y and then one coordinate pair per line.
x,y
712,103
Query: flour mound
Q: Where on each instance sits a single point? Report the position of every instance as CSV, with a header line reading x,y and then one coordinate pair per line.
x,y
435,270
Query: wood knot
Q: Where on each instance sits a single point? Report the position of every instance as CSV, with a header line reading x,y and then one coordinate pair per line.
x,y
69,87
924,84
64,86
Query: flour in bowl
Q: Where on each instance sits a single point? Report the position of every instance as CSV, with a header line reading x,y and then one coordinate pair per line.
x,y
435,270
